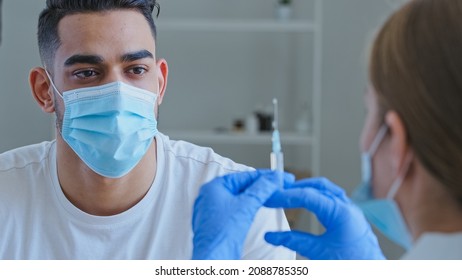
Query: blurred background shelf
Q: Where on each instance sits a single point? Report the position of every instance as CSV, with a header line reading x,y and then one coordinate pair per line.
x,y
227,61
237,138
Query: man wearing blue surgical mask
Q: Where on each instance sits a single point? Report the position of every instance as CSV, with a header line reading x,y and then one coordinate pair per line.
x,y
411,148
111,186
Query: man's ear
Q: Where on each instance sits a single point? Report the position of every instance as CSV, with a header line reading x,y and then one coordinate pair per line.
x,y
400,149
41,89
162,77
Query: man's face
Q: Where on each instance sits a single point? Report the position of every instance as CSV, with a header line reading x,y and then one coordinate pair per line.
x,y
104,47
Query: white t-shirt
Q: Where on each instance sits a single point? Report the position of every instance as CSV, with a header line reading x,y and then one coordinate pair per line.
x,y
37,221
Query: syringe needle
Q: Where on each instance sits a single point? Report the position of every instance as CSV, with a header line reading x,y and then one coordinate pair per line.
x,y
276,114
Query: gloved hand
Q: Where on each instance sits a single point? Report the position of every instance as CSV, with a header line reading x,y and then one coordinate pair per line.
x,y
348,235
225,209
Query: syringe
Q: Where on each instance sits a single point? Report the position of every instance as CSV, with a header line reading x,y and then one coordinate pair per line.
x,y
277,157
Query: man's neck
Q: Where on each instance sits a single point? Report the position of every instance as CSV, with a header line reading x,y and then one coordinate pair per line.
x,y
100,196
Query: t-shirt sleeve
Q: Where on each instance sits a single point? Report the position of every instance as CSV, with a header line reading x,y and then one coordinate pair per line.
x,y
256,248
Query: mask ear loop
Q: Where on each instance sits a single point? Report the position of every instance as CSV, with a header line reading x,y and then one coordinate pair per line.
x,y
53,84
377,140
399,181
58,124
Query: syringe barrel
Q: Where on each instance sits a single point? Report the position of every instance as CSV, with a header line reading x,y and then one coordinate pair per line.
x,y
277,161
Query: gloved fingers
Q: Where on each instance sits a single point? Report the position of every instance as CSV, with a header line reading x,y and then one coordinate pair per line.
x,y
322,184
259,191
238,182
324,206
294,240
233,182
308,198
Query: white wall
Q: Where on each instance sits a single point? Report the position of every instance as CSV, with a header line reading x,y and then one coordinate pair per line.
x,y
21,120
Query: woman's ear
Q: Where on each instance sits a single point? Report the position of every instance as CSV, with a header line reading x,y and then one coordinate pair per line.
x,y
41,89
400,149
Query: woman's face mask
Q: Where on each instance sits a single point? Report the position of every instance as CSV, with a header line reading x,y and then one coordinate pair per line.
x,y
384,214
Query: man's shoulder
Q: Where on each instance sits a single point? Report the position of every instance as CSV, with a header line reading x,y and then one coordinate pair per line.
x,y
188,152
23,157
21,172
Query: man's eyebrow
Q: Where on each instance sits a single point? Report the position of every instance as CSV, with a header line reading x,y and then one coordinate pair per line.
x,y
136,56
86,59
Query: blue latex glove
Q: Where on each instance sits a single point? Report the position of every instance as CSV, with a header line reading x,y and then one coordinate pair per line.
x,y
348,235
225,209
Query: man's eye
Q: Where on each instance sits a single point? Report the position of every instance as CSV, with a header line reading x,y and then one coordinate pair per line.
x,y
138,70
85,74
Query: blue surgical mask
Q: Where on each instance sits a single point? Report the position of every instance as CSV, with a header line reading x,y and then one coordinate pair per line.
x,y
110,127
384,214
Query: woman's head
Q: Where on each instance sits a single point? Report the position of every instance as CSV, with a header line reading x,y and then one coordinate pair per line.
x,y
416,72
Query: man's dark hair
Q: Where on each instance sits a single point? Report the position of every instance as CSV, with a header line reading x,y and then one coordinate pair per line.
x,y
48,38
